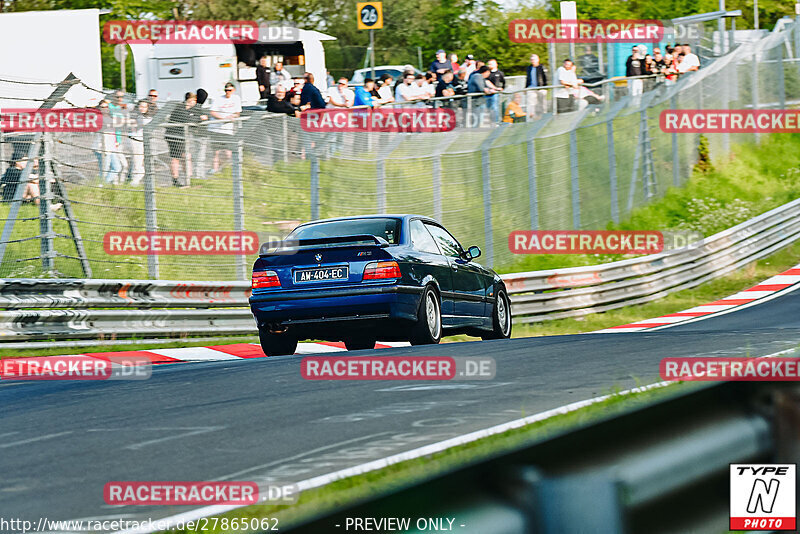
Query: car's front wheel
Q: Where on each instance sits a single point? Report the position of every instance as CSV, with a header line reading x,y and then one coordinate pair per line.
x,y
428,328
277,344
501,318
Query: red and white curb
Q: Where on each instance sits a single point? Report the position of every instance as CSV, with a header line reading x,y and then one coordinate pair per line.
x,y
215,353
762,292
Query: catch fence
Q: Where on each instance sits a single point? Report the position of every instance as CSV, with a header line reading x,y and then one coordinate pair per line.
x,y
568,165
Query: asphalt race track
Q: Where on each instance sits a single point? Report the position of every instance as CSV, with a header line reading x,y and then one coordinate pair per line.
x,y
61,442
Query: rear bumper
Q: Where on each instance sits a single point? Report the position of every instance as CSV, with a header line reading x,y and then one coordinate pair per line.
x,y
336,305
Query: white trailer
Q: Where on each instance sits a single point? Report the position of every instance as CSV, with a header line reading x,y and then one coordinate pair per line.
x,y
46,46
175,69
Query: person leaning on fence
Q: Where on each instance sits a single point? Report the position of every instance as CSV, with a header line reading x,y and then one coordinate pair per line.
x,y
566,93
385,91
176,137
224,108
536,76
634,66
363,94
310,95
281,103
139,119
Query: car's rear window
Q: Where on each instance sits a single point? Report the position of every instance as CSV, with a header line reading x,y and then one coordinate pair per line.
x,y
385,227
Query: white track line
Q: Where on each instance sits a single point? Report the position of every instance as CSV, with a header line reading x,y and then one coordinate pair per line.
x,y
208,511
189,354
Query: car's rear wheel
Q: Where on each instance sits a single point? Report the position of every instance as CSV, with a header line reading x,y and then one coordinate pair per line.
x,y
428,328
501,318
359,343
277,344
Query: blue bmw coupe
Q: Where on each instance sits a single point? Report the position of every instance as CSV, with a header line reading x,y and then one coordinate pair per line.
x,y
374,278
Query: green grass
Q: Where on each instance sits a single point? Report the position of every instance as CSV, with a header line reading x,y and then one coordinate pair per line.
x,y
321,500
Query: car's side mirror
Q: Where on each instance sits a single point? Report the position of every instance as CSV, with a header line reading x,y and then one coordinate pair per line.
x,y
473,252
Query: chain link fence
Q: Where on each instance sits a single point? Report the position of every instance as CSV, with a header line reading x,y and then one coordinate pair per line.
x,y
575,167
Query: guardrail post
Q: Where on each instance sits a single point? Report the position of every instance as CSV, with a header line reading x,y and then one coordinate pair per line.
x,y
314,159
676,162
238,204
151,224
46,200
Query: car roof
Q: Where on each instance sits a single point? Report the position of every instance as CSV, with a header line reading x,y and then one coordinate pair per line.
x,y
374,216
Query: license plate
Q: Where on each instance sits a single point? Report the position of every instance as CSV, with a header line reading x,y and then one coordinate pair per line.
x,y
322,274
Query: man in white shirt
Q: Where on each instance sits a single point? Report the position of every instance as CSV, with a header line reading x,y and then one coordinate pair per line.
x,y
690,61
469,64
567,82
341,96
406,91
224,108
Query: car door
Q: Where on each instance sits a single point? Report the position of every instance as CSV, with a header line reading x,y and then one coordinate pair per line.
x,y
469,287
429,260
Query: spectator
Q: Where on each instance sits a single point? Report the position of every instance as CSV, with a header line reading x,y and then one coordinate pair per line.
x,y
406,92
224,108
176,137
281,103
376,96
477,81
31,192
659,61
429,85
441,63
114,149
461,82
296,89
690,61
536,76
514,112
454,62
363,94
310,97
496,76
140,118
385,92
590,66
280,76
10,180
469,64
566,93
634,66
341,96
329,81
445,86
152,96
200,137
263,75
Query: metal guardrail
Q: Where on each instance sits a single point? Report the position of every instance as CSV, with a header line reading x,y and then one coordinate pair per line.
x,y
41,309
627,473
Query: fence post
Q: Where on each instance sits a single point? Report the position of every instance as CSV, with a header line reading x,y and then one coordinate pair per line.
x,y
151,224
487,192
612,170
437,186
780,78
576,190
533,192
46,200
238,204
676,162
754,70
314,183
285,137
380,185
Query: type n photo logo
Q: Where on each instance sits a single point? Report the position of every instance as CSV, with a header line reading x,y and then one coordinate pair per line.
x,y
763,496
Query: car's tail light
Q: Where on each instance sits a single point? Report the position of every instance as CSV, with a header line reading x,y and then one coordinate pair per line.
x,y
265,279
382,269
